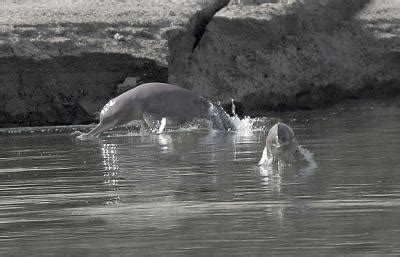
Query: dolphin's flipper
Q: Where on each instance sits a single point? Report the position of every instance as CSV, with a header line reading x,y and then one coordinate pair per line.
x,y
162,125
264,157
155,122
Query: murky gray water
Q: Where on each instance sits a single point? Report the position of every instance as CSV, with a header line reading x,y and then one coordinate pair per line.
x,y
196,192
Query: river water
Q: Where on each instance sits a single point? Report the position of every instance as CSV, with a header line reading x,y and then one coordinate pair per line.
x,y
199,192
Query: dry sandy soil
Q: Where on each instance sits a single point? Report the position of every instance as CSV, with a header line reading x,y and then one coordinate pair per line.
x,y
120,26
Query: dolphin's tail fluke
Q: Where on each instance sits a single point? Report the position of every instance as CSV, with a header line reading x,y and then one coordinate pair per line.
x,y
220,119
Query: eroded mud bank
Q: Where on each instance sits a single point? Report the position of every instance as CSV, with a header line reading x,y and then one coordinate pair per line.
x,y
297,54
60,64
66,89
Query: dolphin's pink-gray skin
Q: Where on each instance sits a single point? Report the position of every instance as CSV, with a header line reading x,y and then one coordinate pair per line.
x,y
281,144
159,100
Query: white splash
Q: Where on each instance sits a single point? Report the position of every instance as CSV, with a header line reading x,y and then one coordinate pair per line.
x,y
309,157
244,126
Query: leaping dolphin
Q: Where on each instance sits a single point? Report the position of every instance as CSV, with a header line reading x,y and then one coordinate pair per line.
x,y
153,103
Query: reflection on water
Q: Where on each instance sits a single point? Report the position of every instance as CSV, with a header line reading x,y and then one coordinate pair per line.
x,y
303,168
111,168
193,191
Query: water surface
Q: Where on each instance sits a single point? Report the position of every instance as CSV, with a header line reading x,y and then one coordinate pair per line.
x,y
200,192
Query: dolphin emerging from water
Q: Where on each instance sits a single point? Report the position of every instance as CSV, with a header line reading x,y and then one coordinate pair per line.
x,y
281,145
153,103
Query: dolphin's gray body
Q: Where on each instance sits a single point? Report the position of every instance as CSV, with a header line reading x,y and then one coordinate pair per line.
x,y
281,145
154,101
